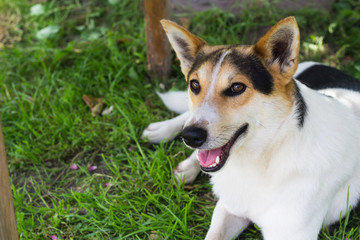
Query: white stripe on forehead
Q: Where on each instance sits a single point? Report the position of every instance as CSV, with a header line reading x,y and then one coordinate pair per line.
x,y
215,73
207,111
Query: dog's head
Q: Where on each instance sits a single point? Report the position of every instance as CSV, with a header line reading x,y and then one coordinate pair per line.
x,y
235,91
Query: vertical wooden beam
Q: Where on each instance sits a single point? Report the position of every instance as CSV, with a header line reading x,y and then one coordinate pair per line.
x,y
8,229
158,49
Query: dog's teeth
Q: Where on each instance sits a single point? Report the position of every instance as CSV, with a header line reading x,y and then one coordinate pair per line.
x,y
217,160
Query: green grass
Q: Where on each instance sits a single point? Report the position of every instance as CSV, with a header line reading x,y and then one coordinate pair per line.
x,y
132,194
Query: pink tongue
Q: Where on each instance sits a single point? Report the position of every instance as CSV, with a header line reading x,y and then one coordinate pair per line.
x,y
208,157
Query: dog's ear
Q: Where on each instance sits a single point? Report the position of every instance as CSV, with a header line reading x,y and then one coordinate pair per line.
x,y
279,48
185,44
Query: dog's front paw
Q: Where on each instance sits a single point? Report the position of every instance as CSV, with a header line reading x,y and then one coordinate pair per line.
x,y
159,131
187,170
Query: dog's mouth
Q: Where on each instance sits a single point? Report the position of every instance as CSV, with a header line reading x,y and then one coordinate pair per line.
x,y
214,159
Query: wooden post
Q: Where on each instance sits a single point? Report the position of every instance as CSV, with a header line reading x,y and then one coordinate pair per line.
x,y
8,228
158,49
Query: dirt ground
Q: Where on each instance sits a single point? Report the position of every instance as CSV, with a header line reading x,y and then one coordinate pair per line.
x,y
184,6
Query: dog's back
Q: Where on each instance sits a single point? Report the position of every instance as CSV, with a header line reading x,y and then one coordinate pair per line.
x,y
319,76
332,82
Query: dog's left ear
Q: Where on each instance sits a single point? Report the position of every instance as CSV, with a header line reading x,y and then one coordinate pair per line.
x,y
185,44
279,48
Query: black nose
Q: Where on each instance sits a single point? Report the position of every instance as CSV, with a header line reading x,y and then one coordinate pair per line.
x,y
194,136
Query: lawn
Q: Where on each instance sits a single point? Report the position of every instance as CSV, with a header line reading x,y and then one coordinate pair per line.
x,y
79,176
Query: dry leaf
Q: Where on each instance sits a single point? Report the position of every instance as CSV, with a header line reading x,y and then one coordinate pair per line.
x,y
96,105
96,110
91,101
155,236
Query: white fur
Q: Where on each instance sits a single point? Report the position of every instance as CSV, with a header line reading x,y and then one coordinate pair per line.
x,y
305,184
176,101
188,169
301,182
215,74
165,130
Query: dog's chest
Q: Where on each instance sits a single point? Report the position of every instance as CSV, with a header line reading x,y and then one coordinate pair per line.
x,y
239,196
249,191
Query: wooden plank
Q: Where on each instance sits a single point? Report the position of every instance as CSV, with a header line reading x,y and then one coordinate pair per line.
x,y
158,49
8,228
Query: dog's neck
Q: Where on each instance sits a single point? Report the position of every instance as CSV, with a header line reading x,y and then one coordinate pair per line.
x,y
272,139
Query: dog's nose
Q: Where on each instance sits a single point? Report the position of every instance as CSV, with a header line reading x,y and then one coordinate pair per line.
x,y
194,136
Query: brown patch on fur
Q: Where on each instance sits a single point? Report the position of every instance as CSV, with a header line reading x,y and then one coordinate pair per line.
x,y
284,91
224,103
203,77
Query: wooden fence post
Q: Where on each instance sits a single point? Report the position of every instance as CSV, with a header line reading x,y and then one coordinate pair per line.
x,y
158,49
8,228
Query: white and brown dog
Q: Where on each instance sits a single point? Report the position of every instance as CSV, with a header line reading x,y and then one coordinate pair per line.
x,y
282,147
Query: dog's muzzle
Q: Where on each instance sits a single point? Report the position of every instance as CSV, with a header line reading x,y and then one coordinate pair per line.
x,y
194,136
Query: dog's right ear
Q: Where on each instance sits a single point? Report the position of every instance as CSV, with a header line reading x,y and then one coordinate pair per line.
x,y
185,44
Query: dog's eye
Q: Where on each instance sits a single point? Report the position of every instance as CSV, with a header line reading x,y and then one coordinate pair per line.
x,y
195,86
235,89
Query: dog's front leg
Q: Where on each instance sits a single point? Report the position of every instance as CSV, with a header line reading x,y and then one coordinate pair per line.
x,y
165,130
225,225
188,169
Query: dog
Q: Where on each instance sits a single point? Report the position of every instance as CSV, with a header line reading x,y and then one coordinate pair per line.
x,y
280,140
